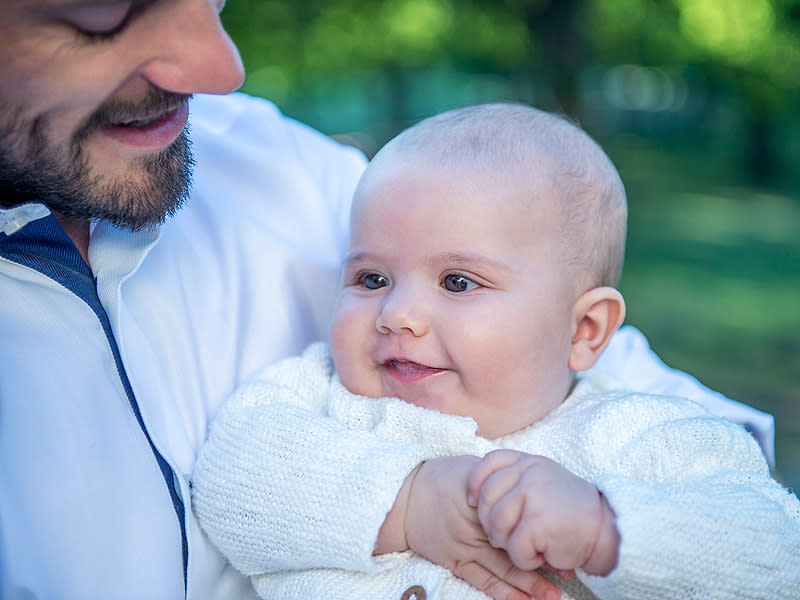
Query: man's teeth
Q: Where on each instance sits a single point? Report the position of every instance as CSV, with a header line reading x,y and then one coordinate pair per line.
x,y
136,123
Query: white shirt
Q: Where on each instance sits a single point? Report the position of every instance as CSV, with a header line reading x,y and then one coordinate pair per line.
x,y
243,275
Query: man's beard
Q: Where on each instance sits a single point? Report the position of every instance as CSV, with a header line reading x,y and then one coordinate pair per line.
x,y
31,169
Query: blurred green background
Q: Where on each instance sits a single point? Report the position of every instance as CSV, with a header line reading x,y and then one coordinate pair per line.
x,y
696,101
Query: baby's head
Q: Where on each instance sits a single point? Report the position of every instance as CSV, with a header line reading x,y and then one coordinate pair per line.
x,y
485,245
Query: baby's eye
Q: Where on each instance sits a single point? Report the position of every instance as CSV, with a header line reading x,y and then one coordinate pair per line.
x,y
458,283
373,281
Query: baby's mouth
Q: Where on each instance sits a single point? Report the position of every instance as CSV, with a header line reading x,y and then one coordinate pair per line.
x,y
407,370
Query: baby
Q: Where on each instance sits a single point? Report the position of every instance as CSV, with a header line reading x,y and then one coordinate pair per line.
x,y
478,291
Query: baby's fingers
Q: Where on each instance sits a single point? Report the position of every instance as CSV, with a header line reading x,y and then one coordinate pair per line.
x,y
522,545
500,509
489,465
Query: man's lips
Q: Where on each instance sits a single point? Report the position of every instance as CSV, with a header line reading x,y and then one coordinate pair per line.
x,y
155,132
406,371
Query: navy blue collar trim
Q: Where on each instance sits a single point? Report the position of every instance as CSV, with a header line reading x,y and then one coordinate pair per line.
x,y
44,246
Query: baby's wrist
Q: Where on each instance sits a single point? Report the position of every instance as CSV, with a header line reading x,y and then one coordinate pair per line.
x,y
392,536
605,553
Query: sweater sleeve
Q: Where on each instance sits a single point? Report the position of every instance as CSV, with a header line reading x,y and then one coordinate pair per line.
x,y
279,485
630,359
699,516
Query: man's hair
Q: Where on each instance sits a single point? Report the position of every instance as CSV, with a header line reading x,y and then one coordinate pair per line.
x,y
516,141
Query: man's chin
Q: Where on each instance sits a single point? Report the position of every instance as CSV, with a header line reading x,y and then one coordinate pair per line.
x,y
94,177
145,192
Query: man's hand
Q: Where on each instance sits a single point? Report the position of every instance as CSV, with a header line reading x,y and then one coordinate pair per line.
x,y
442,527
540,513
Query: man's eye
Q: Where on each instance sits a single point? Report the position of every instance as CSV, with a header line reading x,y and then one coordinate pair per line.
x,y
458,283
373,281
100,19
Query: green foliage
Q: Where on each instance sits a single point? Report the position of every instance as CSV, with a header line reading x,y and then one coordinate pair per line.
x,y
285,43
750,46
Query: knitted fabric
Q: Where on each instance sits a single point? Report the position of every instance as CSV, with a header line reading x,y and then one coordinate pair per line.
x,y
698,513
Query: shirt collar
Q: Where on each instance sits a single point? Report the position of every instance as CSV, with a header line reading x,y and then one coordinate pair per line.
x,y
15,218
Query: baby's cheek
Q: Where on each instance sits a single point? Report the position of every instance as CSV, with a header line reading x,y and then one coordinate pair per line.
x,y
344,325
350,352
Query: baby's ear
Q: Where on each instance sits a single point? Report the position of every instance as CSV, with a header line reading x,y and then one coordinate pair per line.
x,y
597,314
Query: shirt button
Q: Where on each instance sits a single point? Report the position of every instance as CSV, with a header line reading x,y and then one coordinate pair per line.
x,y
417,592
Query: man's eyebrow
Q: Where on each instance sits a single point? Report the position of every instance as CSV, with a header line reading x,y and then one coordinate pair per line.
x,y
56,4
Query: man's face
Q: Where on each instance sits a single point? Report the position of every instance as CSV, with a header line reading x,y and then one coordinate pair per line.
x,y
455,295
94,102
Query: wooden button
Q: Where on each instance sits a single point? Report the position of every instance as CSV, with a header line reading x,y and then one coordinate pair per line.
x,y
417,592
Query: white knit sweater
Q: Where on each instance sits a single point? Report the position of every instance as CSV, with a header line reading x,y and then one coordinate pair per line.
x,y
698,513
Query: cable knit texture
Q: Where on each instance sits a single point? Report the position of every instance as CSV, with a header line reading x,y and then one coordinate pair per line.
x,y
698,513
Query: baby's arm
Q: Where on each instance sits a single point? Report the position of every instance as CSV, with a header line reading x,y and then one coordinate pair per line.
x,y
705,516
696,511
279,486
541,513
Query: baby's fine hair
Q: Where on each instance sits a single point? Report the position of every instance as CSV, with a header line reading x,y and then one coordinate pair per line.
x,y
515,139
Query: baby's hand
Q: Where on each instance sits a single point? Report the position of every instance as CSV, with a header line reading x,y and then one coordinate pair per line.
x,y
541,513
442,527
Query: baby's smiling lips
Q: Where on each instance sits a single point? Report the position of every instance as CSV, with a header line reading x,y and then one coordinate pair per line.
x,y
407,371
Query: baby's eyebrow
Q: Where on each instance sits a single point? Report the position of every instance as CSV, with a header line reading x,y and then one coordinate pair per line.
x,y
355,256
447,260
470,259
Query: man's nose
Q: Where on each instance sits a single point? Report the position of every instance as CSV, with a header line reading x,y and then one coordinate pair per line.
x,y
194,54
403,312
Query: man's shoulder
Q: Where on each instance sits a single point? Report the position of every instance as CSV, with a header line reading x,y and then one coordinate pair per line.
x,y
260,171
255,127
218,114
249,154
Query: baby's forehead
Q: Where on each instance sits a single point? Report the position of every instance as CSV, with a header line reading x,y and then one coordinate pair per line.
x,y
535,176
546,158
448,189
